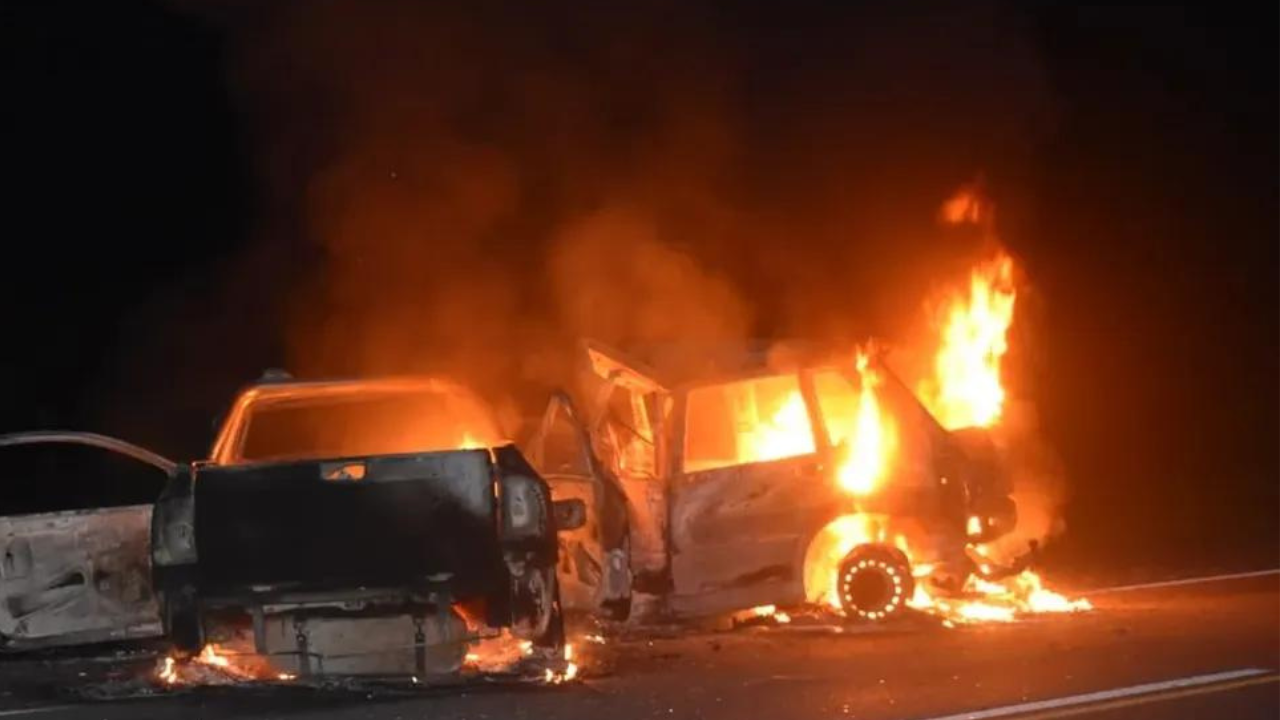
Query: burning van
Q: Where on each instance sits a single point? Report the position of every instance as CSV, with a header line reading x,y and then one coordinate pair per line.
x,y
767,486
358,527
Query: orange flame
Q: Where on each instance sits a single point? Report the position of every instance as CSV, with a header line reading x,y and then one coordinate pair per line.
x,y
785,434
872,441
226,667
503,652
966,388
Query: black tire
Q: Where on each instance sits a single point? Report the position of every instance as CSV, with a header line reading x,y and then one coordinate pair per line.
x,y
874,583
536,614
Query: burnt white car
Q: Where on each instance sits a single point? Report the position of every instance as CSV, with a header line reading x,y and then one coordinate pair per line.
x,y
682,507
71,576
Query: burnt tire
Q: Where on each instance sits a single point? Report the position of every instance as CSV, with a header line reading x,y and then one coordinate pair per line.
x,y
535,607
874,583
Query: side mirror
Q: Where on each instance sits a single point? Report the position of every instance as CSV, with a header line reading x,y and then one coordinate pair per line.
x,y
570,514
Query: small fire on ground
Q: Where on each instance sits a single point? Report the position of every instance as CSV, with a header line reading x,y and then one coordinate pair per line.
x,y
499,654
216,665
504,653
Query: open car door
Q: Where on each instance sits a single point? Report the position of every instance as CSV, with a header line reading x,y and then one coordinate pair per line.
x,y
595,563
70,577
626,418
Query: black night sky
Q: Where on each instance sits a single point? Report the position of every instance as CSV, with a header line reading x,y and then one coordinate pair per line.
x,y
201,190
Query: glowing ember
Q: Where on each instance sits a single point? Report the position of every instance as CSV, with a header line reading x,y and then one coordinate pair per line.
x,y
168,673
504,653
871,444
498,653
974,526
966,390
771,611
570,669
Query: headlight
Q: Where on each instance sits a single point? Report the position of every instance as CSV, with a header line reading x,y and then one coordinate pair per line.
x,y
524,507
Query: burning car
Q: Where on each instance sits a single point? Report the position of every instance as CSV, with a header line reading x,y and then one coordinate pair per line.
x,y
359,527
766,486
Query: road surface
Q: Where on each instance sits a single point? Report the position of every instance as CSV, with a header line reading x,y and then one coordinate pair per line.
x,y
1182,651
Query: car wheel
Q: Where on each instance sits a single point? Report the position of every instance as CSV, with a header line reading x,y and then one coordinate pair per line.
x,y
535,607
874,582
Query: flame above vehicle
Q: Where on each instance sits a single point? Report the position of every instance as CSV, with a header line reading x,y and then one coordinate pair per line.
x,y
966,388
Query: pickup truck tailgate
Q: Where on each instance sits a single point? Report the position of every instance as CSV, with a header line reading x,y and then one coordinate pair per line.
x,y
349,522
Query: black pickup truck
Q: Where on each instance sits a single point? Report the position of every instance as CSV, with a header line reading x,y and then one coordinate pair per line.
x,y
361,526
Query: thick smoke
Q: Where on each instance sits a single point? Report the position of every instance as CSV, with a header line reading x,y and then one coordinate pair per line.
x,y
468,189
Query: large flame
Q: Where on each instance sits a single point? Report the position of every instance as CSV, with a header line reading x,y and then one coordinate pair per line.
x,y
966,389
871,444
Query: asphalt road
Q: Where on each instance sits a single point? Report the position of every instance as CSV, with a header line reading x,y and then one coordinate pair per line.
x,y
1185,651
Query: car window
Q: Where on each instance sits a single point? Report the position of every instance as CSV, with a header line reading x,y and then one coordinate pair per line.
x,y
55,477
746,421
365,424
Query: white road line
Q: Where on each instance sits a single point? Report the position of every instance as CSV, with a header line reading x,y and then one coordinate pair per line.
x,y
1093,697
1183,581
37,710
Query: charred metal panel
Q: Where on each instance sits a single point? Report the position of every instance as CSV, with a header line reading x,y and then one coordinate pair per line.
x,y
407,520
398,644
76,577
593,565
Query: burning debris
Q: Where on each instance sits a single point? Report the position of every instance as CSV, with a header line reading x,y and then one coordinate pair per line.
x,y
498,655
504,654
216,665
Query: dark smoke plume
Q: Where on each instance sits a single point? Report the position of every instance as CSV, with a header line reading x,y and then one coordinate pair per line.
x,y
468,189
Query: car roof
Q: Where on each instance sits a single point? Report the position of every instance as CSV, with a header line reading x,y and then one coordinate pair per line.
x,y
283,389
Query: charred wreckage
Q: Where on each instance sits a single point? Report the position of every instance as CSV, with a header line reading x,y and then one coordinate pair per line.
x,y
372,526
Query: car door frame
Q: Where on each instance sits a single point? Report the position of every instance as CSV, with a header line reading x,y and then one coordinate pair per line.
x,y
121,534
602,546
